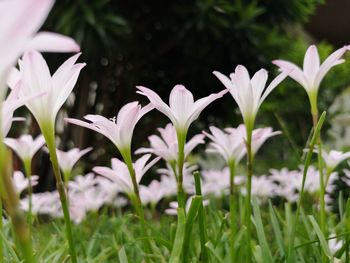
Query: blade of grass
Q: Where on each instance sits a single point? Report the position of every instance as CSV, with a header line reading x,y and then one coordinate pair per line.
x,y
277,231
176,252
320,236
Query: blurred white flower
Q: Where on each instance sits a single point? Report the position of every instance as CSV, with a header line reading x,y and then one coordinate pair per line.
x,y
24,146
119,172
166,146
82,183
152,193
262,188
68,159
21,182
173,206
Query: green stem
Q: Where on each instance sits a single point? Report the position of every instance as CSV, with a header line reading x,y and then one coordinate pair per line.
x,y
28,173
66,176
316,131
137,200
232,210
49,135
201,221
181,139
248,209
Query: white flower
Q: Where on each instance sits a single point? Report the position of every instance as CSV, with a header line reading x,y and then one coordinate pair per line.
x,y
333,158
119,130
119,172
173,206
82,183
68,159
21,182
228,143
35,78
311,75
248,93
153,192
166,146
24,146
182,109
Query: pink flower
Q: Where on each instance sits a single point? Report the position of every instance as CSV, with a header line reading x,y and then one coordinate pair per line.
x,y
260,136
229,143
248,93
333,158
311,75
119,130
182,109
25,147
68,159
119,172
36,78
166,145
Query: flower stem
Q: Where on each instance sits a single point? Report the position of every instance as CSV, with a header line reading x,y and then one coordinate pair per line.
x,y
49,135
248,209
232,210
181,138
137,201
28,172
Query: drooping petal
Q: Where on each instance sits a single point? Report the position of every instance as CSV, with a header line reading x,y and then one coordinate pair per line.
x,y
293,71
52,42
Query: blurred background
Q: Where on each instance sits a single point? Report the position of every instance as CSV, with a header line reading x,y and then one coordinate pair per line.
x,y
159,44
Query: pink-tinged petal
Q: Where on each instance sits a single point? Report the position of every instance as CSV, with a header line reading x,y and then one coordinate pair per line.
x,y
242,77
273,85
157,102
13,78
311,63
59,96
225,80
293,71
181,104
52,42
331,61
258,84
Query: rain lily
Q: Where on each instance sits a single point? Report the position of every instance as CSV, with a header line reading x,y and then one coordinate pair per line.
x,y
333,158
229,143
82,183
248,93
67,160
35,77
21,182
166,145
119,172
152,193
182,109
311,75
259,137
120,129
24,146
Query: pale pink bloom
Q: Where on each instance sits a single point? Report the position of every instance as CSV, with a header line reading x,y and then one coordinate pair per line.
x,y
20,19
333,158
153,193
110,190
334,245
217,182
173,206
44,203
68,159
182,109
82,183
119,172
21,182
262,187
168,179
259,137
166,146
228,143
119,130
35,78
24,146
287,182
311,75
248,93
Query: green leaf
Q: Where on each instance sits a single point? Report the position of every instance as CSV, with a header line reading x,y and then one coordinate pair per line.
x,y
321,237
265,250
277,231
122,256
175,256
